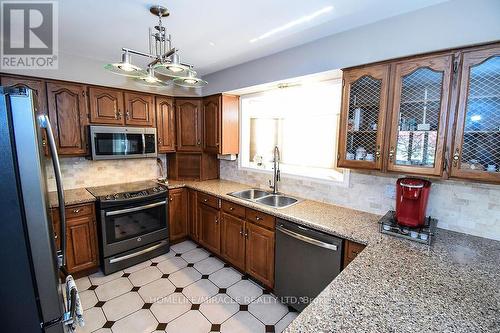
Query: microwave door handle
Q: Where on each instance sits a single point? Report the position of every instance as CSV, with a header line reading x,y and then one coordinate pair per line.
x,y
45,123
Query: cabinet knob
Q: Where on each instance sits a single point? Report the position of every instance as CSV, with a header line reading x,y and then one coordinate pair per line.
x,y
205,200
377,152
231,208
198,143
76,211
44,142
55,236
257,218
216,220
171,199
159,140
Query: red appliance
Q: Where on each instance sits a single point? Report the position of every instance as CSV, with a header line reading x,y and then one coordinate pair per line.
x,y
411,201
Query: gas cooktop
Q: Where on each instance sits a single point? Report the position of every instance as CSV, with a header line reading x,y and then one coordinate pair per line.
x,y
126,191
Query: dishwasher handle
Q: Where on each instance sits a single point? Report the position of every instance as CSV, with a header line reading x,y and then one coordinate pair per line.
x,y
307,239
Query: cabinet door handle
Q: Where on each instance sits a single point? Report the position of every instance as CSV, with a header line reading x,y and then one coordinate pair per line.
x,y
241,232
76,211
377,152
456,156
128,115
159,140
205,200
216,220
246,234
116,115
55,236
198,142
257,218
231,208
171,199
391,154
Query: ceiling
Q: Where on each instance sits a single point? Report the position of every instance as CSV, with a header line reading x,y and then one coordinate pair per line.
x,y
215,34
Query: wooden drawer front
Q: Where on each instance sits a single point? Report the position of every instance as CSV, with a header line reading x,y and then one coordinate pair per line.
x,y
208,200
233,209
77,211
262,219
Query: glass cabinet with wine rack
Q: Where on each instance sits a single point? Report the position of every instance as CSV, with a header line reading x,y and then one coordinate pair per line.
x,y
476,144
362,121
421,91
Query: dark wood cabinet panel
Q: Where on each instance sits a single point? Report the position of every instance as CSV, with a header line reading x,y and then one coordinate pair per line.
x,y
38,87
261,219
106,106
81,246
193,214
233,240
139,109
165,124
211,124
68,113
81,237
192,166
260,253
208,221
178,214
189,125
221,124
363,115
40,92
475,150
351,251
421,90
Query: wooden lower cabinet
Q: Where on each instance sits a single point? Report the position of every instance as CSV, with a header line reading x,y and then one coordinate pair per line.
x,y
260,253
351,251
233,240
81,237
178,214
208,221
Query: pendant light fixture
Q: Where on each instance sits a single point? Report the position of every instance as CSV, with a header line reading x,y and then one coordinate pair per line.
x,y
190,81
165,60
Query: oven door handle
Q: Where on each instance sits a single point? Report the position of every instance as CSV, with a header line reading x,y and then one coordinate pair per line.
x,y
135,209
138,253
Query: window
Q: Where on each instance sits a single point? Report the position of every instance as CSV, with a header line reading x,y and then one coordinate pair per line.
x,y
301,121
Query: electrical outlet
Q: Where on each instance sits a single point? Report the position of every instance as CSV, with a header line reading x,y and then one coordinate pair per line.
x,y
390,191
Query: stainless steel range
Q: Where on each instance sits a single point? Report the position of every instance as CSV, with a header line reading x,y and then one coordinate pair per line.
x,y
133,223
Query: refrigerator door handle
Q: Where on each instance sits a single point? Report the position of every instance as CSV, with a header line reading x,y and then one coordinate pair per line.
x,y
44,122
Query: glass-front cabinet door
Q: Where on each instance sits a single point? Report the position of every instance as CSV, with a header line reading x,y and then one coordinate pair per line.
x,y
419,112
364,104
476,150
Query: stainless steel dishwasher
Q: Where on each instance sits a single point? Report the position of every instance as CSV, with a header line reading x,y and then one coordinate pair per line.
x,y
307,261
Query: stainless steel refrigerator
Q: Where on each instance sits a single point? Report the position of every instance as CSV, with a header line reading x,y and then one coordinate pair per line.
x,y
31,297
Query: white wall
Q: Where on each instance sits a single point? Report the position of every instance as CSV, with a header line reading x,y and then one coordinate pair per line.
x,y
451,24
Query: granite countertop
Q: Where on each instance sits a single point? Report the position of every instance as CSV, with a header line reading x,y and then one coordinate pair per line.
x,y
71,197
393,285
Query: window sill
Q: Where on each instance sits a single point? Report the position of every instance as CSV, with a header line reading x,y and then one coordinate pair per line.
x,y
319,179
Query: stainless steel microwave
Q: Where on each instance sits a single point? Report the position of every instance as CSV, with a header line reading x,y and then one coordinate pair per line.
x,y
110,142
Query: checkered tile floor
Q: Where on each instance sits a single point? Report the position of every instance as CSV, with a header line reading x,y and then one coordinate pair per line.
x,y
185,290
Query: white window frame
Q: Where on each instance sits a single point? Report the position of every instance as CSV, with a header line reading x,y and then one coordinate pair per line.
x,y
344,174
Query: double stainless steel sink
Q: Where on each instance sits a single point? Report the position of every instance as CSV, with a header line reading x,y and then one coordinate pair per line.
x,y
265,198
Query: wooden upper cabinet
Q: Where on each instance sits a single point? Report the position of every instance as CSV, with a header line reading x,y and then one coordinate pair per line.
x,y
260,253
38,87
139,109
165,124
421,89
178,213
106,106
362,119
220,124
211,124
68,113
476,148
189,124
40,92
233,240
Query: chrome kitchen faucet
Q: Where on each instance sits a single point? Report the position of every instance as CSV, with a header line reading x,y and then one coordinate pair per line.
x,y
276,171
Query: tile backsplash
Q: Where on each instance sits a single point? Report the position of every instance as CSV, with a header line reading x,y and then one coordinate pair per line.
x,y
466,207
79,172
